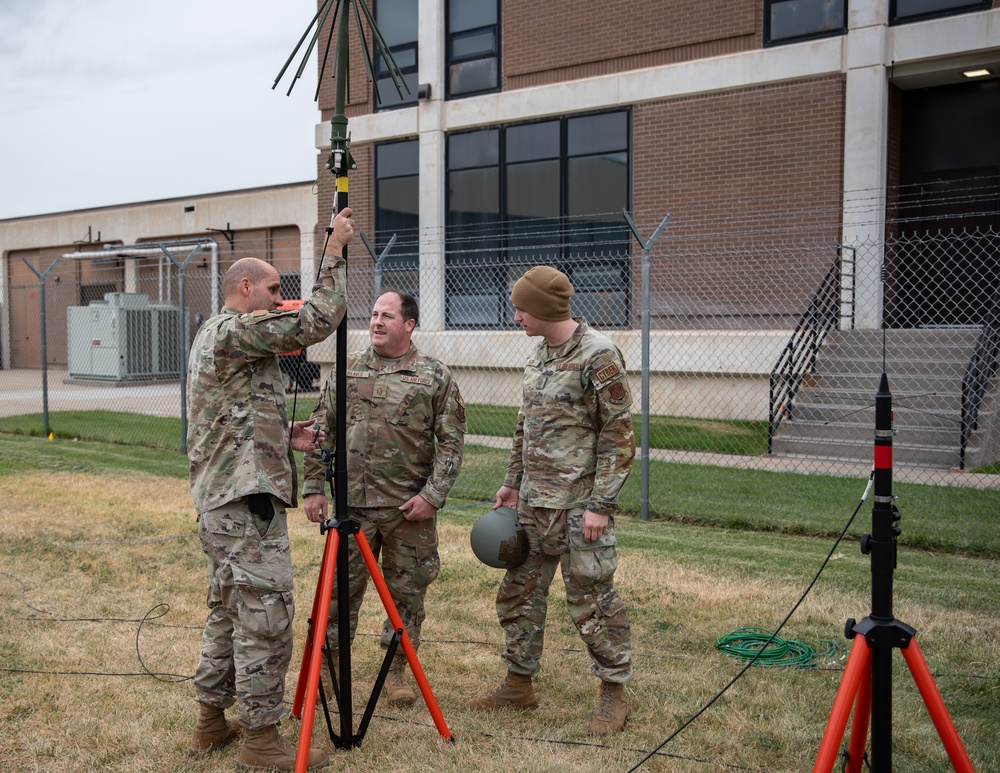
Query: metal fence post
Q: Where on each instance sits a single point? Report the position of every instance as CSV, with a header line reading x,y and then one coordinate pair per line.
x,y
45,355
644,416
182,335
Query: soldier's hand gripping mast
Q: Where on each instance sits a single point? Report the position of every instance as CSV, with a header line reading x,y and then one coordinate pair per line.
x,y
335,556
867,679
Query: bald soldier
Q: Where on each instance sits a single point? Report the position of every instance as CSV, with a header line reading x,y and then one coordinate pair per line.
x,y
572,452
405,438
239,446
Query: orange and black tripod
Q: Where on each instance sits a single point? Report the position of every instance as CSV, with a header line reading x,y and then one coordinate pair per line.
x,y
867,679
335,562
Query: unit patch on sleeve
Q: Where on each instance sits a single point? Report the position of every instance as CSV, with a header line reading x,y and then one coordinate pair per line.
x,y
617,392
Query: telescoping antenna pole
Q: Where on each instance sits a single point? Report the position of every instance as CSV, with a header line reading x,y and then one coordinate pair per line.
x,y
341,527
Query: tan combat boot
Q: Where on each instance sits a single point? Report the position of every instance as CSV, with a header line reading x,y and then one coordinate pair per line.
x,y
612,710
515,690
212,731
265,749
397,691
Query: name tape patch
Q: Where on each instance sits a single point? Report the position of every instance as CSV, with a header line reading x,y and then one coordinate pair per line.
x,y
608,372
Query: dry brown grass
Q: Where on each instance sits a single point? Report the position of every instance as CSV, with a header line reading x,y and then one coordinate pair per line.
x,y
84,558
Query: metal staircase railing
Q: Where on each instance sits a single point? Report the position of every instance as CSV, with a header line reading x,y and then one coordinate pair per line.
x,y
981,368
798,358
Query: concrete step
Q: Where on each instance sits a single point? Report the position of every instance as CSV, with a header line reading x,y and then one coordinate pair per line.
x,y
859,413
933,401
830,448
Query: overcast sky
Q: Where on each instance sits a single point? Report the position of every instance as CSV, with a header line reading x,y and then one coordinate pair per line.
x,y
117,101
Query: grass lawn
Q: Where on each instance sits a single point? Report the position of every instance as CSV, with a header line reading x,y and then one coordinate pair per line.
x,y
102,593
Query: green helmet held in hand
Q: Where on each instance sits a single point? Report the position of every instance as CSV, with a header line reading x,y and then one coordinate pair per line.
x,y
498,540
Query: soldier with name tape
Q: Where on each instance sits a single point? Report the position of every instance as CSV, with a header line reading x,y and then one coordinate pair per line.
x,y
571,454
405,439
243,477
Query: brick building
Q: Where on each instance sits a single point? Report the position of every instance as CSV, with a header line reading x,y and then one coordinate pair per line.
x,y
772,133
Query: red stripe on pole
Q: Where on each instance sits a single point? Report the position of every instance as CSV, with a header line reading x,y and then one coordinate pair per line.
x,y
883,457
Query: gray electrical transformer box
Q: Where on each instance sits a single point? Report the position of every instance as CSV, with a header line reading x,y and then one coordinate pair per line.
x,y
124,338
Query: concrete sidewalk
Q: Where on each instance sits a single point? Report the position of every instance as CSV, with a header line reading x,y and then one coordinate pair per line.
x,y
21,391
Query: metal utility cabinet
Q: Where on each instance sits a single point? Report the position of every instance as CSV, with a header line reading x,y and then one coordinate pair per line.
x,y
123,338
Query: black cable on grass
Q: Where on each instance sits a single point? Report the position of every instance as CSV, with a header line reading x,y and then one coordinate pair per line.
x,y
159,676
761,651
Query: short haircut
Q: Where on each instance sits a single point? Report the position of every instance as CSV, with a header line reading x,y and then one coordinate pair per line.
x,y
253,269
408,305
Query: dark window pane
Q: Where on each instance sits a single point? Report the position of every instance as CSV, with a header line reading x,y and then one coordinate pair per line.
x,y
474,44
474,211
474,149
398,205
598,185
597,133
390,96
472,76
906,9
404,56
532,141
597,189
532,211
397,159
397,20
469,14
802,18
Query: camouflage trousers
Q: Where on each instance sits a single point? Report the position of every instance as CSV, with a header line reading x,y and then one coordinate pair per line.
x,y
555,538
410,563
247,643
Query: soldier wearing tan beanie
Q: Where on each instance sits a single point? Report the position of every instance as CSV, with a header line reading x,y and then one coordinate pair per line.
x,y
572,452
544,293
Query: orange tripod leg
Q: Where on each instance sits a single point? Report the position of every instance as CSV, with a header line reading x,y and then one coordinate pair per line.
x,y
314,648
322,581
935,706
858,662
859,723
397,624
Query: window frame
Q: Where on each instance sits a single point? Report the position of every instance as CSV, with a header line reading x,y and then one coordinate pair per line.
x,y
409,260
972,6
380,63
450,60
819,35
569,256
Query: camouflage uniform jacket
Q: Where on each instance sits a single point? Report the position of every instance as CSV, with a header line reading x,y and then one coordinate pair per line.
x,y
574,444
405,433
238,438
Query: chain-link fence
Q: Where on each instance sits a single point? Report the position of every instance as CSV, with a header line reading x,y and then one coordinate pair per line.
x,y
762,359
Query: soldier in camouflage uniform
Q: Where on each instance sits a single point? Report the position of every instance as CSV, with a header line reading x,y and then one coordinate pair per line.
x,y
239,447
572,452
405,438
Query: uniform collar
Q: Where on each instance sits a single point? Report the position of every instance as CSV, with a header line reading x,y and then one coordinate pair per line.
x,y
547,352
391,366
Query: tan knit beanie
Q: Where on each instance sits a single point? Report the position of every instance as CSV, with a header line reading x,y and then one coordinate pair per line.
x,y
544,293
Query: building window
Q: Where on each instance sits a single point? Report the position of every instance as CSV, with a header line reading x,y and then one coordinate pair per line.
x,y
789,21
397,202
397,21
473,47
551,193
903,11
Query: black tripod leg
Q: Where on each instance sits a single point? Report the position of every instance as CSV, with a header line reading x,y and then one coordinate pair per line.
x,y
379,683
